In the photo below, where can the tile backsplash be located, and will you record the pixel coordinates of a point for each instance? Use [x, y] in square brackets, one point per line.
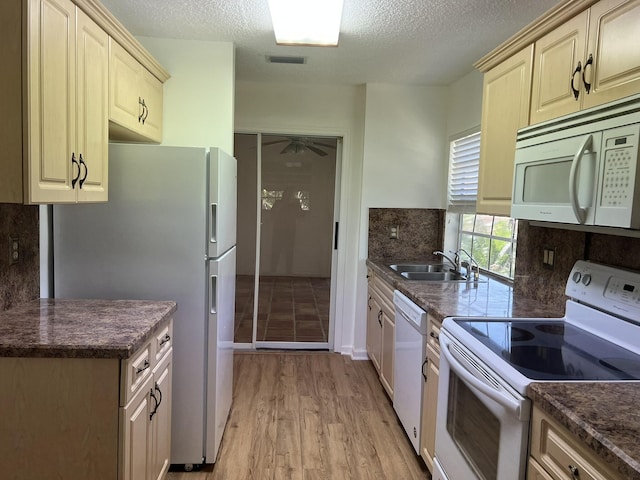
[420, 232]
[19, 282]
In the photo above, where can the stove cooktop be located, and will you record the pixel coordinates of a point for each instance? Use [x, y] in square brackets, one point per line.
[554, 350]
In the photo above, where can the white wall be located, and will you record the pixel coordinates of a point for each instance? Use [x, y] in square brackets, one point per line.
[328, 111]
[404, 146]
[199, 96]
[404, 164]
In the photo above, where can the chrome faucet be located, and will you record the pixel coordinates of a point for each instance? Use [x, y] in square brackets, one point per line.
[469, 265]
[455, 264]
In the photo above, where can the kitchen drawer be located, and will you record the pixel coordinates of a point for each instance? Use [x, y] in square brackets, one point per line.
[162, 341]
[135, 372]
[562, 455]
[385, 292]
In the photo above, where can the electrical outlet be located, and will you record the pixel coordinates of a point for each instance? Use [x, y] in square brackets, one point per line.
[14, 250]
[548, 257]
[394, 232]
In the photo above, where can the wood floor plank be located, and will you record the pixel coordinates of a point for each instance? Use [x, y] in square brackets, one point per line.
[310, 416]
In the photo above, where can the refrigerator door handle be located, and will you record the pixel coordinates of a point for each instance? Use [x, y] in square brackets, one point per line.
[213, 308]
[213, 221]
[335, 237]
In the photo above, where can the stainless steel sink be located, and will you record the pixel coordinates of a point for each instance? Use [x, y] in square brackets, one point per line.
[435, 276]
[418, 267]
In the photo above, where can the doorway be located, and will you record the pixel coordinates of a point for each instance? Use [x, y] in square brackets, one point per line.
[287, 211]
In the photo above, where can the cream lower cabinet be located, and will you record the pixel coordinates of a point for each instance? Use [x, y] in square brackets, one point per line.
[557, 455]
[146, 425]
[381, 329]
[374, 326]
[55, 105]
[431, 371]
[505, 109]
[589, 60]
[87, 418]
[136, 98]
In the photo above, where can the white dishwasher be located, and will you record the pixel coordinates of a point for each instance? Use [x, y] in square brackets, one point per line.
[409, 355]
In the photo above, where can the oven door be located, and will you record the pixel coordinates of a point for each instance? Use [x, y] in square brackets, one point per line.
[483, 424]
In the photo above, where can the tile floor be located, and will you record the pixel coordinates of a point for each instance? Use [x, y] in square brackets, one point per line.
[290, 309]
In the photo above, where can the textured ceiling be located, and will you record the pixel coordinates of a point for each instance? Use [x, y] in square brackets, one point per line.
[430, 42]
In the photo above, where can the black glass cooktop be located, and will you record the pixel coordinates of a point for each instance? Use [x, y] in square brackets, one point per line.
[553, 350]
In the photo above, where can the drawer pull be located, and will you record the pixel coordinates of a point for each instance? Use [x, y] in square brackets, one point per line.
[575, 473]
[165, 339]
[435, 336]
[144, 366]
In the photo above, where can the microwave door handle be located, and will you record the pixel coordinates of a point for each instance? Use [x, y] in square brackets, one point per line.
[578, 211]
[458, 366]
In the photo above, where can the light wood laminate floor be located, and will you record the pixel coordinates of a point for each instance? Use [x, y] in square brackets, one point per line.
[310, 416]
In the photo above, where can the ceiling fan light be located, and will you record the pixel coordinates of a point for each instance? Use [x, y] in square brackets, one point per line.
[306, 22]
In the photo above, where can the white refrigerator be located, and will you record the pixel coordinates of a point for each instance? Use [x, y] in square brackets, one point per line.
[168, 232]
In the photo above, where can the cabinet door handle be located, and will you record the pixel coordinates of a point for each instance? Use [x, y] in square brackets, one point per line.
[86, 172]
[157, 389]
[575, 473]
[578, 69]
[380, 317]
[73, 160]
[424, 364]
[145, 111]
[144, 366]
[435, 336]
[155, 403]
[369, 302]
[587, 85]
[142, 105]
[165, 339]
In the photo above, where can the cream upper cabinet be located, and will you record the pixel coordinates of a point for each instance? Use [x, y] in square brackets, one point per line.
[614, 28]
[505, 109]
[135, 107]
[93, 109]
[66, 141]
[589, 60]
[54, 128]
[557, 70]
[67, 135]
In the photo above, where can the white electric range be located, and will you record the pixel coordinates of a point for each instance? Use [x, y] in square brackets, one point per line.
[486, 365]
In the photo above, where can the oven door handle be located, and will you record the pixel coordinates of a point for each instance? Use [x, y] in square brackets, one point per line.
[463, 369]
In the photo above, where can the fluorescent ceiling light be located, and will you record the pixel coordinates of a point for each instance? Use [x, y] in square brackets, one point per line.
[306, 22]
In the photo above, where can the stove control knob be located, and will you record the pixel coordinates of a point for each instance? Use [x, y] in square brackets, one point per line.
[586, 280]
[576, 277]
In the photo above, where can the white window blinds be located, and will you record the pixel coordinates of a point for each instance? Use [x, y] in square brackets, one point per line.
[464, 156]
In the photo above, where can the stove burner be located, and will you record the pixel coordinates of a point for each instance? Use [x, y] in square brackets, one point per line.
[541, 359]
[624, 365]
[521, 335]
[553, 329]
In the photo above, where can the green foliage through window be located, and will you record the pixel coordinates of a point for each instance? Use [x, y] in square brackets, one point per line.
[491, 241]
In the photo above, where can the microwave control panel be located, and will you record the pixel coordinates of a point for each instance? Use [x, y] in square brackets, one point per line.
[619, 168]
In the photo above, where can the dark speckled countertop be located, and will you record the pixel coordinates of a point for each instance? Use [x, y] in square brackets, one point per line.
[604, 416]
[449, 299]
[80, 328]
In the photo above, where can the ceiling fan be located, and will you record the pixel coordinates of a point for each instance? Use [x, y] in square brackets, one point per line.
[301, 145]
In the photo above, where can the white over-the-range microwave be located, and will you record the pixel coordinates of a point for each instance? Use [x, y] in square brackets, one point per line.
[582, 168]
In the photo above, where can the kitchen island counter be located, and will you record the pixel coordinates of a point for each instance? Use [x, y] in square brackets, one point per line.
[604, 416]
[80, 328]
